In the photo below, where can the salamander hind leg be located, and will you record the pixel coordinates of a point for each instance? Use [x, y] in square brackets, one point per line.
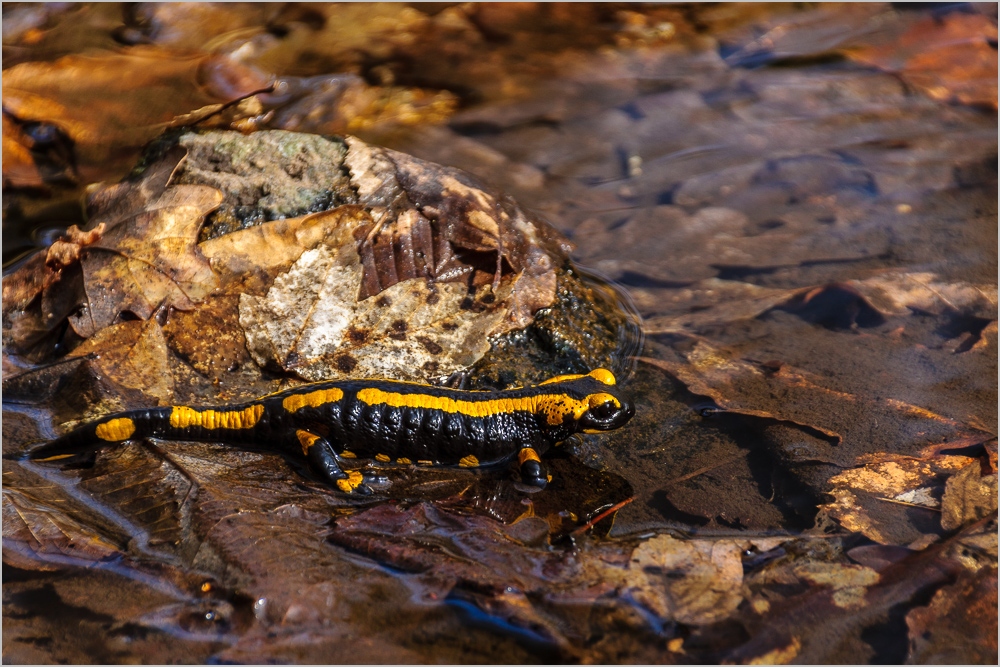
[533, 472]
[323, 460]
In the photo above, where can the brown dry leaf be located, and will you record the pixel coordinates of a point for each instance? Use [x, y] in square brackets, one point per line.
[209, 336]
[21, 286]
[440, 223]
[311, 322]
[110, 105]
[133, 355]
[969, 495]
[959, 625]
[247, 261]
[949, 58]
[878, 499]
[149, 260]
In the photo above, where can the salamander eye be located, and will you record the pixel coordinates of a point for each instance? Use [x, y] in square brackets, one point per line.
[604, 410]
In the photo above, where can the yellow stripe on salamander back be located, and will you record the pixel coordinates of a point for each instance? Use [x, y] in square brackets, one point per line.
[373, 396]
[185, 417]
[555, 407]
[313, 399]
[115, 430]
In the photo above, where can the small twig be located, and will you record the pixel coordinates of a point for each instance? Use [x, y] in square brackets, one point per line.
[590, 524]
[701, 471]
[903, 502]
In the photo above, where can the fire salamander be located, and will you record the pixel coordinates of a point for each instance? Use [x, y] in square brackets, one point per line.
[389, 421]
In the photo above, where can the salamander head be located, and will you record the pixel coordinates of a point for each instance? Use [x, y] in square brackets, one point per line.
[588, 403]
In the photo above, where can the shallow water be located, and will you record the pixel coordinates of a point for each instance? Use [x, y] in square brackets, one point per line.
[809, 239]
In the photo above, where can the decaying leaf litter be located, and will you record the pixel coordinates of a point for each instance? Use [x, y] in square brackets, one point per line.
[806, 244]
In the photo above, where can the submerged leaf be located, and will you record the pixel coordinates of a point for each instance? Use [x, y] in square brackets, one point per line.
[948, 58]
[696, 582]
[959, 625]
[969, 495]
[109, 104]
[44, 527]
[892, 501]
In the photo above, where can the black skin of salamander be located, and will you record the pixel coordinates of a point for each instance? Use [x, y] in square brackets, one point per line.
[414, 433]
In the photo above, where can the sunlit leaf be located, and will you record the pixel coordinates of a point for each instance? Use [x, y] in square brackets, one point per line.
[311, 321]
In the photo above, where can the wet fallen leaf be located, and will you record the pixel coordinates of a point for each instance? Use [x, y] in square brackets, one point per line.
[900, 293]
[710, 302]
[46, 528]
[75, 93]
[959, 624]
[794, 395]
[948, 58]
[849, 582]
[826, 631]
[19, 168]
[451, 551]
[969, 495]
[133, 355]
[717, 302]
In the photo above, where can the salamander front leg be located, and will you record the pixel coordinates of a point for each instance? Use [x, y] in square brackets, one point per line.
[533, 472]
[321, 457]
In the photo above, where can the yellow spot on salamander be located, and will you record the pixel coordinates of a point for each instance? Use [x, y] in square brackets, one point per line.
[382, 457]
[57, 457]
[424, 462]
[313, 399]
[353, 481]
[307, 440]
[115, 430]
[602, 375]
[404, 461]
[348, 455]
[527, 454]
[185, 417]
[469, 461]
